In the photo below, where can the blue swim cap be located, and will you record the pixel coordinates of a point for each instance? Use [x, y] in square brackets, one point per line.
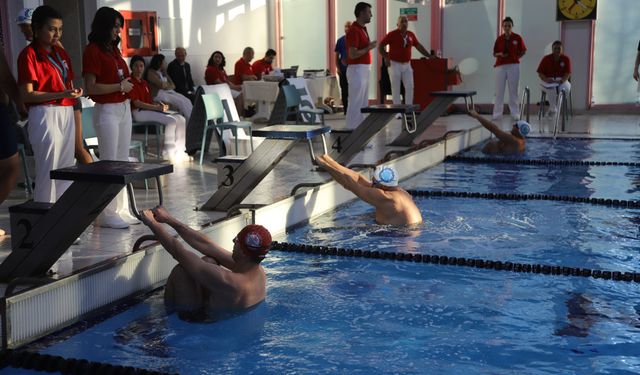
[524, 127]
[24, 16]
[386, 176]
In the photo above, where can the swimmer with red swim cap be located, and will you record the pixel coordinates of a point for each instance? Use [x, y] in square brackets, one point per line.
[219, 283]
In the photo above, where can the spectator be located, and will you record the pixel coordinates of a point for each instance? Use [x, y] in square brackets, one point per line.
[242, 71]
[341, 64]
[162, 87]
[180, 73]
[215, 74]
[144, 109]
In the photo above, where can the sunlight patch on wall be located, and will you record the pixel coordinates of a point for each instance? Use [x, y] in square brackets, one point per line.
[235, 12]
[219, 22]
[255, 4]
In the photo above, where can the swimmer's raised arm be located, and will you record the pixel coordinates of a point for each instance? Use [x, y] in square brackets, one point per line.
[194, 238]
[340, 173]
[493, 128]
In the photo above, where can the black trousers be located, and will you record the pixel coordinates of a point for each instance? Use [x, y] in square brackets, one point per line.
[344, 89]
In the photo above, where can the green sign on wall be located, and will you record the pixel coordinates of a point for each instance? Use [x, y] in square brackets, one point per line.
[411, 13]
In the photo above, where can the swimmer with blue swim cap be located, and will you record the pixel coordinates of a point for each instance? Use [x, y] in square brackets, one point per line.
[393, 204]
[221, 282]
[23, 20]
[512, 142]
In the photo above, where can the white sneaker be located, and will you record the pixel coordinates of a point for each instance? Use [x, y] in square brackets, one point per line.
[398, 116]
[515, 117]
[129, 219]
[111, 221]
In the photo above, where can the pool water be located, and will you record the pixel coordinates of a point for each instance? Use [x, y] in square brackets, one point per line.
[613, 150]
[327, 314]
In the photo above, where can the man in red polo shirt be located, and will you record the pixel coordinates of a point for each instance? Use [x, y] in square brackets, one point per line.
[264, 65]
[398, 59]
[358, 64]
[554, 71]
[242, 71]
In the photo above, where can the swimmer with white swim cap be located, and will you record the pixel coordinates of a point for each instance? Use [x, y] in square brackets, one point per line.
[23, 20]
[508, 142]
[393, 204]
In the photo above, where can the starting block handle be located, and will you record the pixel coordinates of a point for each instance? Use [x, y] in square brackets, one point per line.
[132, 197]
[406, 122]
[469, 103]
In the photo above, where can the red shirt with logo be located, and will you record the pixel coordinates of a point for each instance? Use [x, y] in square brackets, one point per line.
[358, 38]
[108, 67]
[140, 91]
[261, 68]
[514, 47]
[552, 68]
[213, 74]
[399, 45]
[47, 72]
[242, 68]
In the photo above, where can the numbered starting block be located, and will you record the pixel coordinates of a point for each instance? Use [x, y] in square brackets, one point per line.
[378, 117]
[238, 176]
[442, 101]
[42, 232]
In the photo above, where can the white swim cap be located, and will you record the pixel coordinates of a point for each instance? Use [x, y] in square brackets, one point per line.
[24, 16]
[386, 176]
[524, 127]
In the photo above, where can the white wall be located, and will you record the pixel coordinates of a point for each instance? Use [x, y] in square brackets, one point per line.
[536, 22]
[469, 31]
[304, 42]
[422, 27]
[209, 25]
[616, 45]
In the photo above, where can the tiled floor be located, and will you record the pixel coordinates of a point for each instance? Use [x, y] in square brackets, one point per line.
[191, 184]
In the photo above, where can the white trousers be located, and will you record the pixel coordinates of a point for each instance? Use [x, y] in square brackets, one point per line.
[112, 123]
[401, 73]
[358, 78]
[552, 95]
[52, 136]
[178, 101]
[174, 129]
[507, 74]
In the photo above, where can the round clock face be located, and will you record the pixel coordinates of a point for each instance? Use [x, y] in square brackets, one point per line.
[576, 9]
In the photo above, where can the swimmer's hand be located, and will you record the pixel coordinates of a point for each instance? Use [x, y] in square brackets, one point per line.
[473, 113]
[161, 214]
[147, 217]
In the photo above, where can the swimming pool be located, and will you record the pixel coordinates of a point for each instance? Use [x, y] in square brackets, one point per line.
[327, 314]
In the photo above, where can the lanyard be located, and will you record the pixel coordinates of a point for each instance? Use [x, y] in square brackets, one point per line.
[405, 40]
[62, 69]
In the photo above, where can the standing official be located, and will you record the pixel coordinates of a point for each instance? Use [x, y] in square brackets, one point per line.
[398, 59]
[45, 78]
[359, 48]
[508, 49]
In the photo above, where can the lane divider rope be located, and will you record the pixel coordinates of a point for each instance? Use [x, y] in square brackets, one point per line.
[540, 197]
[480, 159]
[49, 363]
[542, 269]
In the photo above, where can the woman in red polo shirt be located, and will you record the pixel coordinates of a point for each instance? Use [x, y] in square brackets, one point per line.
[508, 49]
[215, 75]
[45, 78]
[144, 109]
[106, 78]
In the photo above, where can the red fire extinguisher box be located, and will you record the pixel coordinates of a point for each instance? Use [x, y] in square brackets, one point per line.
[139, 33]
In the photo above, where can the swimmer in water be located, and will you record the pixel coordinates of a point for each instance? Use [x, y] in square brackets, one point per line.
[508, 142]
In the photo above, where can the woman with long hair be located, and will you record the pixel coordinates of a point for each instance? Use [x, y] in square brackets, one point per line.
[45, 79]
[215, 75]
[162, 87]
[107, 81]
[143, 108]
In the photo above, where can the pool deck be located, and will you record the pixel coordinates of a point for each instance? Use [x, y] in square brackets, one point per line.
[190, 184]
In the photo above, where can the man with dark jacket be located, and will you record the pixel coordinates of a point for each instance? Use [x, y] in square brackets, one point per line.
[180, 72]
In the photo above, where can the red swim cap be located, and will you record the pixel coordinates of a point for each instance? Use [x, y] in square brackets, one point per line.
[255, 240]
